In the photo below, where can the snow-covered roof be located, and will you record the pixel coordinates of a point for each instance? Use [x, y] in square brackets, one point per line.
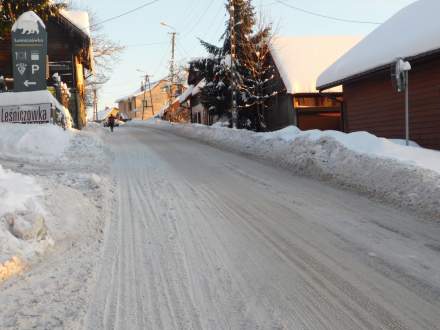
[28, 23]
[78, 18]
[301, 59]
[197, 89]
[104, 114]
[138, 92]
[186, 94]
[413, 31]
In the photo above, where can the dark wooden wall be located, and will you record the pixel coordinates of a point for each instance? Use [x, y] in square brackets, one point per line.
[5, 58]
[65, 45]
[373, 105]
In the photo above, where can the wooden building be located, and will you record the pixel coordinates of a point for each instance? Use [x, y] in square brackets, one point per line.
[298, 62]
[69, 55]
[146, 103]
[371, 102]
[180, 109]
[199, 113]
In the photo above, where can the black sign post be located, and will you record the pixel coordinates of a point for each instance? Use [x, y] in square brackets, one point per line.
[29, 53]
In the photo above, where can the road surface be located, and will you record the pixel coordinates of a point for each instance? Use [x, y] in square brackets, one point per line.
[205, 239]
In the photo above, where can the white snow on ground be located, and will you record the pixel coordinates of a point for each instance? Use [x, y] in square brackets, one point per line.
[37, 97]
[405, 176]
[33, 141]
[55, 193]
[368, 144]
[206, 239]
[22, 228]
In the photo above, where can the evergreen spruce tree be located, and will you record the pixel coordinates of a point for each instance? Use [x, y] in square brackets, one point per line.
[250, 73]
[258, 84]
[10, 10]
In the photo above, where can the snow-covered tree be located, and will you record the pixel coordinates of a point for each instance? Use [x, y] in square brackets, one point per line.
[10, 10]
[257, 83]
[240, 65]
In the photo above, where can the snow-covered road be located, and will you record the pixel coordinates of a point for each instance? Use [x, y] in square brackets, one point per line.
[206, 239]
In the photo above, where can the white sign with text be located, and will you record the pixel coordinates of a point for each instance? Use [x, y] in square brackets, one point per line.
[36, 113]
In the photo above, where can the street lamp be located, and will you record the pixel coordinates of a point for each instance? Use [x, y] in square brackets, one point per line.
[400, 72]
[168, 26]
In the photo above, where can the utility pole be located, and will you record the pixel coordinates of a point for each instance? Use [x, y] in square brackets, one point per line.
[147, 79]
[172, 73]
[407, 108]
[144, 104]
[233, 59]
[144, 86]
[95, 105]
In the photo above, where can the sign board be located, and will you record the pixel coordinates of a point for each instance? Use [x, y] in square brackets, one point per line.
[29, 53]
[26, 114]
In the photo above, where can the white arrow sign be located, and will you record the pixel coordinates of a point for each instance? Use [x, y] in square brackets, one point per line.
[28, 83]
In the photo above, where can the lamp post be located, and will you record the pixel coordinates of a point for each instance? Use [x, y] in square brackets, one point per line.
[401, 72]
[232, 26]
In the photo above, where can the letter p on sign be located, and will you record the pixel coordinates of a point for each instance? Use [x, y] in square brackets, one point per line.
[35, 68]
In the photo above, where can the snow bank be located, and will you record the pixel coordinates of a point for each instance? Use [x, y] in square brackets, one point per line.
[38, 97]
[386, 170]
[23, 232]
[36, 142]
[368, 144]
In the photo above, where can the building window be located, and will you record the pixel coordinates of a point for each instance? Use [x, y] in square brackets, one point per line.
[317, 101]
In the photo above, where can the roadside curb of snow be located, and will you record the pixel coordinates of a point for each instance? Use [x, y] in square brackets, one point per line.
[388, 180]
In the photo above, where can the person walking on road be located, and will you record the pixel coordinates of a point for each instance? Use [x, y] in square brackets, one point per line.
[111, 122]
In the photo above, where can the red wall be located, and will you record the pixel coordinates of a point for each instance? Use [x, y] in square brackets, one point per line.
[373, 105]
[322, 121]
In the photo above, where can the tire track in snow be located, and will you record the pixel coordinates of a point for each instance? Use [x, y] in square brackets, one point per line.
[195, 245]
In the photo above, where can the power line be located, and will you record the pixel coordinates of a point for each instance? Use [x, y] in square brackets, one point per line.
[198, 21]
[125, 13]
[326, 16]
[216, 14]
[147, 44]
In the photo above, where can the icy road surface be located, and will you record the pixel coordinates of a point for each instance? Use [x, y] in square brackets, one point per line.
[206, 239]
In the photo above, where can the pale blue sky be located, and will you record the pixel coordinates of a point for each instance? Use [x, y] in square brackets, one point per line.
[205, 19]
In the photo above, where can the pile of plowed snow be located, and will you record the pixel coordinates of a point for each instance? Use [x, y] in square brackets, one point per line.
[33, 142]
[23, 232]
[64, 162]
[382, 168]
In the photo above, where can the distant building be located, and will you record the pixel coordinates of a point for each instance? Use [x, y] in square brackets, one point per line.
[298, 62]
[107, 112]
[371, 101]
[144, 104]
[70, 55]
[180, 109]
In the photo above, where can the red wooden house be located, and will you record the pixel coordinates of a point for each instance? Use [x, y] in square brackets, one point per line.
[371, 102]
